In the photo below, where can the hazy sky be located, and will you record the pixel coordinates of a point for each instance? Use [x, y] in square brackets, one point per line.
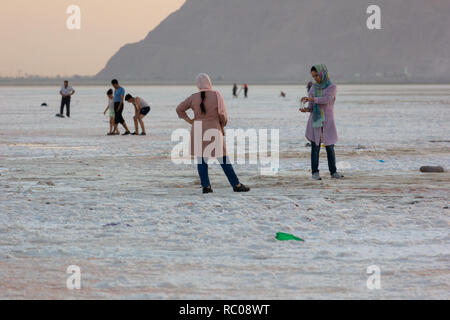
[36, 40]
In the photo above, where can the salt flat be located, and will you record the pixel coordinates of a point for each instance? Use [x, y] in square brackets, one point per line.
[139, 227]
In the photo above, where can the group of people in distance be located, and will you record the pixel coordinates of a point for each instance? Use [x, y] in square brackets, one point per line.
[236, 93]
[116, 99]
[115, 107]
[209, 108]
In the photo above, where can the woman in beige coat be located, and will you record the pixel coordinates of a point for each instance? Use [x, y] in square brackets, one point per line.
[207, 133]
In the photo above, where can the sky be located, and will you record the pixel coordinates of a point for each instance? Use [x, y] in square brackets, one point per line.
[36, 40]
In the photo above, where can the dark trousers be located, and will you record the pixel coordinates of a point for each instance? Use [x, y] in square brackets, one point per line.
[315, 151]
[227, 168]
[118, 118]
[65, 101]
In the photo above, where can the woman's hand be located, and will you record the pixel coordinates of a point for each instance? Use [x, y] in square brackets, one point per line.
[307, 99]
[304, 110]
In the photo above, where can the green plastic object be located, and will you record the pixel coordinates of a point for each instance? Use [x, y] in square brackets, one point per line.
[286, 237]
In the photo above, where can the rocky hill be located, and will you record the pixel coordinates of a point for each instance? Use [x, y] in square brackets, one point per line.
[268, 41]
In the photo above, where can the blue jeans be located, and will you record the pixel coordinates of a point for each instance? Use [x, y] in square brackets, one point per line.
[315, 151]
[226, 166]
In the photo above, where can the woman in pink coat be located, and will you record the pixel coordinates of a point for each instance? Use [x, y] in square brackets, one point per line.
[321, 127]
[207, 133]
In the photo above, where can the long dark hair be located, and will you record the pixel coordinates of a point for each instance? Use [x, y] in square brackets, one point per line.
[202, 104]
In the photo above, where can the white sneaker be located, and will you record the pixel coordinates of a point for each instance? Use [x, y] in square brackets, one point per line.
[316, 176]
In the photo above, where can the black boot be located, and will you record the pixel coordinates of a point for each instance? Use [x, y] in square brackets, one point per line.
[241, 188]
[208, 190]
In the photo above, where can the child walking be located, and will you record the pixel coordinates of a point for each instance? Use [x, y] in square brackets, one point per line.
[112, 115]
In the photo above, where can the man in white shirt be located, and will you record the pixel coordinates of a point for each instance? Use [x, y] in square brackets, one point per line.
[66, 92]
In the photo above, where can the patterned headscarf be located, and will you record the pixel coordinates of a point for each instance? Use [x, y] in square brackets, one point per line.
[318, 114]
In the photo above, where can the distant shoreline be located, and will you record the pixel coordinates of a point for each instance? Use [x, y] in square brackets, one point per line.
[95, 82]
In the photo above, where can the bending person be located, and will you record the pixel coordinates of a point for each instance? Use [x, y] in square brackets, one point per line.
[141, 108]
[210, 119]
[321, 127]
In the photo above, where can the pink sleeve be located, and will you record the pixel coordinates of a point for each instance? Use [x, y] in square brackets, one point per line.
[223, 115]
[311, 95]
[327, 98]
[183, 107]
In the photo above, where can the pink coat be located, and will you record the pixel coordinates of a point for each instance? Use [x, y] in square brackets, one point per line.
[326, 103]
[213, 119]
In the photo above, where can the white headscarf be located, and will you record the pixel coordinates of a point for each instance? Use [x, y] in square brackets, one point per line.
[204, 82]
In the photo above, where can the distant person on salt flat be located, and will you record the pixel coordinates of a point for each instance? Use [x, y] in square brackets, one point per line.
[235, 89]
[321, 127]
[110, 107]
[282, 94]
[141, 108]
[245, 90]
[210, 116]
[66, 93]
[119, 96]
